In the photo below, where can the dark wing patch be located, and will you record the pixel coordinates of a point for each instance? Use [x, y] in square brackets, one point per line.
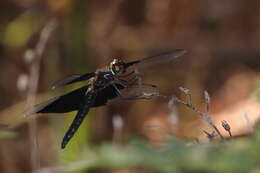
[106, 94]
[72, 79]
[61, 104]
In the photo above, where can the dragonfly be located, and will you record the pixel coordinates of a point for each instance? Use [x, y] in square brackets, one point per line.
[103, 85]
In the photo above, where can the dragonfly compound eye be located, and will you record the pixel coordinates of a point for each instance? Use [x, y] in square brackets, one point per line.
[117, 67]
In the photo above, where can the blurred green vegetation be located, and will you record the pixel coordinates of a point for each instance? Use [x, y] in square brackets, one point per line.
[20, 30]
[234, 155]
[256, 92]
[5, 134]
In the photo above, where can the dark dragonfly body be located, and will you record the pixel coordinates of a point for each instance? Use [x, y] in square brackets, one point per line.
[104, 84]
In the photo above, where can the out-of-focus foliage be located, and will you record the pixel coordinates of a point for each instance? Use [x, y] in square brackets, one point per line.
[257, 91]
[6, 133]
[234, 155]
[19, 31]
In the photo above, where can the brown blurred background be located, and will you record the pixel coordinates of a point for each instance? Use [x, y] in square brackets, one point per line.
[223, 43]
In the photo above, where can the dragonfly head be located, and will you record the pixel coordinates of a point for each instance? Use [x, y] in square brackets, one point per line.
[117, 67]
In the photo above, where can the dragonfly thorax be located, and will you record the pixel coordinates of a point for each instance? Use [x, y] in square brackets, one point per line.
[117, 67]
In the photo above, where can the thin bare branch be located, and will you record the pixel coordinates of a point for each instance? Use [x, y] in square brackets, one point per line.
[187, 92]
[35, 57]
[248, 124]
[210, 136]
[204, 116]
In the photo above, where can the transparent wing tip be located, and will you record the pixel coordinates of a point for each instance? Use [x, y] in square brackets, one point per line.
[57, 84]
[39, 107]
[180, 52]
[29, 112]
[66, 81]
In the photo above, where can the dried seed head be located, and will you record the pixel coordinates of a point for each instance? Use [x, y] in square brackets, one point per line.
[185, 90]
[225, 125]
[206, 97]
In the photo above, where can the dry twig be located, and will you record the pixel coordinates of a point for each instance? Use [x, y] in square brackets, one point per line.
[210, 136]
[35, 56]
[203, 115]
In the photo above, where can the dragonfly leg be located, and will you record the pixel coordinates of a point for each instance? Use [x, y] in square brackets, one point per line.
[133, 80]
[129, 74]
[113, 82]
[150, 85]
[122, 82]
[138, 78]
[127, 84]
[120, 94]
[142, 95]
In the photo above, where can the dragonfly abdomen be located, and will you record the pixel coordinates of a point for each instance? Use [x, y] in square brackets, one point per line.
[82, 112]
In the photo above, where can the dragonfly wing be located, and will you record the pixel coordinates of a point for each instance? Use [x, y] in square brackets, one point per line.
[71, 101]
[72, 79]
[106, 94]
[88, 102]
[165, 57]
[61, 104]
